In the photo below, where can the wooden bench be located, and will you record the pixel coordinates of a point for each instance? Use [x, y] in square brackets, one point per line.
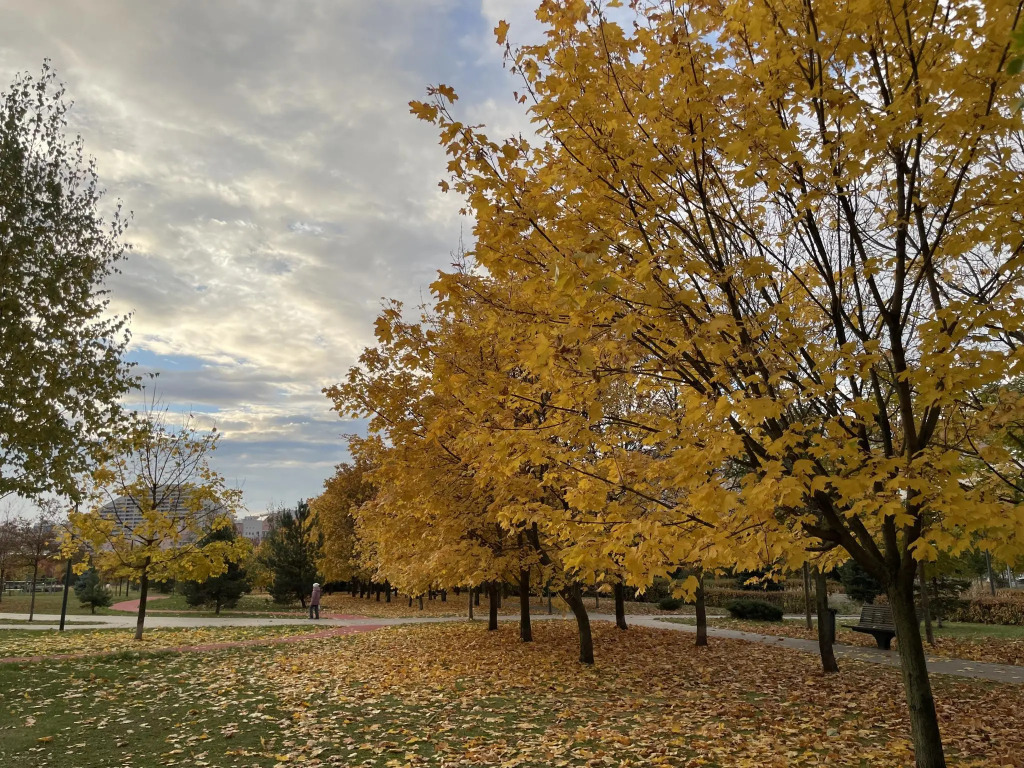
[876, 620]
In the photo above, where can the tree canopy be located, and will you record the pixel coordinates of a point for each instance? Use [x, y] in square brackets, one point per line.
[61, 369]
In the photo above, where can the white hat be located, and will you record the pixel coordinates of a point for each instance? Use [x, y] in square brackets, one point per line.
[316, 583]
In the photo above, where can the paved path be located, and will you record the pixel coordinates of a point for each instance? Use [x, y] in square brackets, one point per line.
[1003, 673]
[132, 606]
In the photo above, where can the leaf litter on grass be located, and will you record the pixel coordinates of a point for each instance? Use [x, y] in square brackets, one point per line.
[457, 695]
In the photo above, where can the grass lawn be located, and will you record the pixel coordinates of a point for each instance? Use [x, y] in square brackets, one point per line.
[457, 695]
[248, 605]
[28, 642]
[49, 603]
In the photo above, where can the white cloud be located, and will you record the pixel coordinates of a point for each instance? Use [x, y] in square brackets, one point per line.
[279, 186]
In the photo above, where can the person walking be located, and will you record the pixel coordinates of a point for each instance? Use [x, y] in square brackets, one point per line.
[314, 602]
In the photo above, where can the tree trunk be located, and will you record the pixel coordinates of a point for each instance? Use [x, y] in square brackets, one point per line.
[825, 626]
[421, 602]
[924, 723]
[217, 610]
[387, 586]
[929, 633]
[472, 590]
[476, 597]
[991, 578]
[444, 595]
[378, 590]
[140, 622]
[492, 600]
[701, 609]
[620, 605]
[32, 601]
[574, 597]
[807, 595]
[525, 630]
[597, 601]
[550, 609]
[410, 601]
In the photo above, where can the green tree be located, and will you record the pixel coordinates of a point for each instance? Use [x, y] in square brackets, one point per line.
[224, 590]
[91, 591]
[61, 369]
[858, 583]
[290, 556]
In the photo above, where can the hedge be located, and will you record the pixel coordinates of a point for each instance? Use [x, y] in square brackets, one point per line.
[790, 601]
[988, 610]
[754, 610]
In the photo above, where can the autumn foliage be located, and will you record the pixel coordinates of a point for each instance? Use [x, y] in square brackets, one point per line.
[750, 298]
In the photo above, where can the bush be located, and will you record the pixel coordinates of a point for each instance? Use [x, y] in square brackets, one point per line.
[756, 610]
[670, 604]
[789, 601]
[988, 610]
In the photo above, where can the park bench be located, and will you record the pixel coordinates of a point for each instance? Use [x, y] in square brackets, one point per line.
[876, 620]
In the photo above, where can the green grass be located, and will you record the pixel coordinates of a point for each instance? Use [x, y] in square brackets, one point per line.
[980, 631]
[251, 604]
[116, 711]
[49, 603]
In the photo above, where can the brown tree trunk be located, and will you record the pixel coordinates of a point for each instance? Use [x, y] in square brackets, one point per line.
[421, 602]
[926, 612]
[574, 597]
[471, 591]
[807, 595]
[701, 609]
[525, 630]
[410, 601]
[32, 600]
[924, 723]
[492, 600]
[620, 605]
[387, 586]
[825, 625]
[140, 622]
[476, 597]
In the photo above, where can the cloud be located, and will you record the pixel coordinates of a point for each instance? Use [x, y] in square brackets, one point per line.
[279, 188]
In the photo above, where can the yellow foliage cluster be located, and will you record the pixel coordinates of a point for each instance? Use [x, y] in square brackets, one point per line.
[752, 297]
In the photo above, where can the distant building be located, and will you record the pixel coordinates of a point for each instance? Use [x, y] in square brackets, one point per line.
[255, 529]
[127, 512]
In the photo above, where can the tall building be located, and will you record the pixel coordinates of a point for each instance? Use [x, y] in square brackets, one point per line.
[171, 499]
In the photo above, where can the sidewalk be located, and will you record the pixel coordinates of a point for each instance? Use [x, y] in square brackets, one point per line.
[1000, 673]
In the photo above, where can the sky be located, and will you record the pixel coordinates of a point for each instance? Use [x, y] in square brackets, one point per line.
[279, 188]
